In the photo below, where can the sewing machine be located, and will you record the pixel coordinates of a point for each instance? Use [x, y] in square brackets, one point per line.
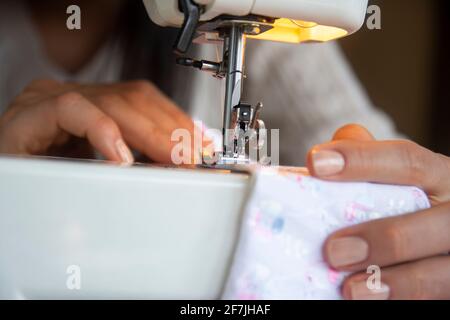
[153, 232]
[231, 22]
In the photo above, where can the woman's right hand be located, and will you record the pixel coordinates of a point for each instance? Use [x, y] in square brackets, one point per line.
[111, 117]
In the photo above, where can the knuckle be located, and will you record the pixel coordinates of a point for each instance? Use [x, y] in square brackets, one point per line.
[139, 89]
[395, 236]
[440, 180]
[157, 141]
[414, 158]
[24, 98]
[38, 83]
[418, 285]
[152, 133]
[358, 157]
[105, 125]
[109, 101]
[68, 99]
[142, 85]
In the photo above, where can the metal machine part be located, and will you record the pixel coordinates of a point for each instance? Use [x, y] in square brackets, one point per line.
[231, 22]
[240, 120]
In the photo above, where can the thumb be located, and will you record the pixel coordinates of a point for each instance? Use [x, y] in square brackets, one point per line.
[353, 132]
[390, 162]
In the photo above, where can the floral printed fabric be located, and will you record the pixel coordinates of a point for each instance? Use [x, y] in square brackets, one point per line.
[287, 219]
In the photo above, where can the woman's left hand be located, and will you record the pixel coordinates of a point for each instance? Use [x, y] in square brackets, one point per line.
[411, 250]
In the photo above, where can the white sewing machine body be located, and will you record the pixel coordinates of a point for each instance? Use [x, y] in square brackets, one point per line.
[347, 15]
[138, 232]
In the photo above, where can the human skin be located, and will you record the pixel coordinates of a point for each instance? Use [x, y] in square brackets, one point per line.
[411, 250]
[110, 117]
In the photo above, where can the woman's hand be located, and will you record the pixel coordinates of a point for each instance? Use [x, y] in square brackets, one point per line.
[411, 250]
[110, 117]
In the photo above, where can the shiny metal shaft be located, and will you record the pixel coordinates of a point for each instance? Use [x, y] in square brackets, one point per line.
[234, 53]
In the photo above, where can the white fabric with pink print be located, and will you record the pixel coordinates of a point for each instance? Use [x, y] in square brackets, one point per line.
[288, 217]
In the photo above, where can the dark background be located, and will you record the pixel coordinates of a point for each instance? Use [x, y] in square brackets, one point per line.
[405, 67]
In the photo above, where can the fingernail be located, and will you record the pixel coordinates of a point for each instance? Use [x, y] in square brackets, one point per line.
[124, 152]
[344, 252]
[361, 291]
[327, 162]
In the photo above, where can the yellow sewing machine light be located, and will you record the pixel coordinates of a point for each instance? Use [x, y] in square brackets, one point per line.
[294, 31]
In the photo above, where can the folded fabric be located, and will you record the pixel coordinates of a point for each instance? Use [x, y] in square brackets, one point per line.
[285, 223]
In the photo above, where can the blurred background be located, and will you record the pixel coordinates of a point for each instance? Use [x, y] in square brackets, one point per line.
[405, 67]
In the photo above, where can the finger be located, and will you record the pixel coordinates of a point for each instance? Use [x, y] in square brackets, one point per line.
[147, 137]
[78, 116]
[150, 129]
[353, 132]
[425, 280]
[35, 92]
[149, 120]
[35, 129]
[390, 241]
[391, 162]
[43, 85]
[164, 103]
[177, 147]
[143, 96]
[141, 132]
[112, 102]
